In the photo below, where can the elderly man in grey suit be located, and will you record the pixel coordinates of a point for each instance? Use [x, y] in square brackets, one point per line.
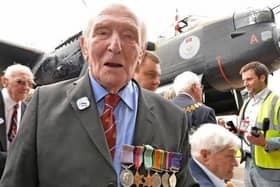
[17, 82]
[63, 143]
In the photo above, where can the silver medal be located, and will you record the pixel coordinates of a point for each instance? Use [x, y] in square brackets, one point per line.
[165, 179]
[156, 180]
[172, 180]
[126, 178]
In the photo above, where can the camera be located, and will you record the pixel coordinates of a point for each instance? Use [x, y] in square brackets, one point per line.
[255, 131]
[231, 127]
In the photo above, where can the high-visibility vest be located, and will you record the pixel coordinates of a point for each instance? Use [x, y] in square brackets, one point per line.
[268, 109]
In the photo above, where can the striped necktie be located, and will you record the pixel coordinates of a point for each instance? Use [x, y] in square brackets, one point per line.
[108, 120]
[13, 125]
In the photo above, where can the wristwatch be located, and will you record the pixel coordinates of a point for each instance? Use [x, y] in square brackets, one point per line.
[266, 147]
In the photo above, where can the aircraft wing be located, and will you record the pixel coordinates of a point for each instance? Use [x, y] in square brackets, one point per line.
[11, 53]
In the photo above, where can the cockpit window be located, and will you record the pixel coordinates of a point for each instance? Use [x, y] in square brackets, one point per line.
[244, 19]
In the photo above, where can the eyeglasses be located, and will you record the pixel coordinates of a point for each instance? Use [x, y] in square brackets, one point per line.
[201, 86]
[23, 83]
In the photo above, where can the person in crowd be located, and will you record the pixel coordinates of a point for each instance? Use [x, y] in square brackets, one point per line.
[148, 72]
[213, 150]
[168, 94]
[85, 131]
[17, 81]
[260, 113]
[222, 122]
[189, 91]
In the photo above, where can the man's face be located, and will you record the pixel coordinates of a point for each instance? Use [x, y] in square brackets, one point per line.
[252, 82]
[197, 92]
[113, 48]
[18, 85]
[222, 163]
[149, 75]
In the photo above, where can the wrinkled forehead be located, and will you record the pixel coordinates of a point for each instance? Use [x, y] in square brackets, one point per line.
[22, 75]
[118, 14]
[119, 11]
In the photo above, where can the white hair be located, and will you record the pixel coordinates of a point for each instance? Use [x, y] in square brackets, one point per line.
[140, 22]
[15, 68]
[214, 138]
[184, 81]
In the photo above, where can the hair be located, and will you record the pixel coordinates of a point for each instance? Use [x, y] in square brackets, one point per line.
[11, 70]
[184, 81]
[258, 67]
[140, 23]
[148, 55]
[152, 56]
[212, 137]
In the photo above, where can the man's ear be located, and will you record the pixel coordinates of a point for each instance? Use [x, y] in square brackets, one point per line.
[204, 154]
[141, 57]
[262, 78]
[83, 46]
[193, 88]
[4, 81]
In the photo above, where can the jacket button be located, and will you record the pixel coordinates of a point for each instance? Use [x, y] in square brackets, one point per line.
[111, 185]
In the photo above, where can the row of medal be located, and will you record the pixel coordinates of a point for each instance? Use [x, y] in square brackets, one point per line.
[160, 165]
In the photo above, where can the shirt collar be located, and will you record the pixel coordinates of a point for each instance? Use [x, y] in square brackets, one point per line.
[216, 180]
[187, 94]
[262, 94]
[125, 94]
[9, 102]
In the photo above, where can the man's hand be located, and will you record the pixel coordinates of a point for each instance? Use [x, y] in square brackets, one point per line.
[260, 141]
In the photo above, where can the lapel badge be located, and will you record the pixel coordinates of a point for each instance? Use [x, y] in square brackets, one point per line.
[1, 120]
[83, 103]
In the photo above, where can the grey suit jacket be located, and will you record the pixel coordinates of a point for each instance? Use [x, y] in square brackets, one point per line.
[62, 146]
[199, 174]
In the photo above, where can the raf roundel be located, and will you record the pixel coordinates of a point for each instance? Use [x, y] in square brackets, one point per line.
[189, 47]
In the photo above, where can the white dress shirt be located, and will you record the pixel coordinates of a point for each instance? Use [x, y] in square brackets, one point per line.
[9, 104]
[252, 110]
[216, 180]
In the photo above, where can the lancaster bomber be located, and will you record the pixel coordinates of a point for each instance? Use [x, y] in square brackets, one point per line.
[218, 49]
[215, 50]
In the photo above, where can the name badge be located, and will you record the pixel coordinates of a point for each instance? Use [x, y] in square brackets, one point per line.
[244, 125]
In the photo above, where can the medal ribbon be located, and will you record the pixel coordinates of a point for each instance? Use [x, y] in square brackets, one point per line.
[158, 159]
[148, 157]
[166, 160]
[138, 159]
[176, 161]
[127, 154]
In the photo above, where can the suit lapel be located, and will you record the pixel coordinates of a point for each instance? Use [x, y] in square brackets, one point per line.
[3, 140]
[89, 116]
[23, 107]
[144, 129]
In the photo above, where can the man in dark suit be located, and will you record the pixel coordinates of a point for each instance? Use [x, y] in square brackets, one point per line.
[188, 91]
[17, 81]
[213, 150]
[62, 142]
